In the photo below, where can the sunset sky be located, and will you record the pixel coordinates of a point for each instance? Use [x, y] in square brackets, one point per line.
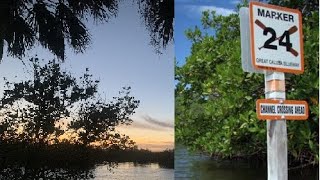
[120, 55]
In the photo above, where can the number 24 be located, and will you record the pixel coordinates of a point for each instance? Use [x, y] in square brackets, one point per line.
[268, 44]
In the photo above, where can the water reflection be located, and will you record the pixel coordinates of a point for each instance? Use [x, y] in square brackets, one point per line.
[133, 171]
[45, 173]
[26, 173]
[197, 166]
[115, 171]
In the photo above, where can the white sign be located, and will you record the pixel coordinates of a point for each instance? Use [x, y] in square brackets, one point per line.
[276, 38]
[277, 109]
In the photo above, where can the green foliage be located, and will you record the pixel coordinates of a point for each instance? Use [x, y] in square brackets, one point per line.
[215, 99]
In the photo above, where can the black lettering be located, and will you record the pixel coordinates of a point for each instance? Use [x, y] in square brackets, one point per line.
[285, 17]
[268, 109]
[290, 18]
[283, 109]
[268, 44]
[273, 14]
[299, 110]
[287, 44]
[279, 16]
[260, 12]
[268, 14]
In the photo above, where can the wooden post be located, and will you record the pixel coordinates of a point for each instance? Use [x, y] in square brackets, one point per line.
[276, 130]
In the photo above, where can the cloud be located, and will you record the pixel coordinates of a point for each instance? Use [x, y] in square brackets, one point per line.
[193, 10]
[149, 123]
[139, 125]
[146, 122]
[157, 122]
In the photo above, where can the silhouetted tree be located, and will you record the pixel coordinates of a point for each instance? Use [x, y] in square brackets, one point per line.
[34, 106]
[55, 23]
[158, 16]
[96, 121]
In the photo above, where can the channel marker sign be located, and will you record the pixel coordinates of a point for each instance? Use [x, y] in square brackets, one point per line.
[276, 38]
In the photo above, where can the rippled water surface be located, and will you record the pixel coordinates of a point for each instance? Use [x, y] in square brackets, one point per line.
[131, 171]
[197, 166]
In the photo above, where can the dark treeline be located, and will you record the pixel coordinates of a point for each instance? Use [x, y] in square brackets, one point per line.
[57, 126]
[66, 155]
[165, 158]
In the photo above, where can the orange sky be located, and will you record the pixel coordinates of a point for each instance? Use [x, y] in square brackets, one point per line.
[154, 135]
[147, 132]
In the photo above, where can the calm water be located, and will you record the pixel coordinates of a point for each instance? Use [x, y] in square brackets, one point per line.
[131, 171]
[197, 166]
[112, 171]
